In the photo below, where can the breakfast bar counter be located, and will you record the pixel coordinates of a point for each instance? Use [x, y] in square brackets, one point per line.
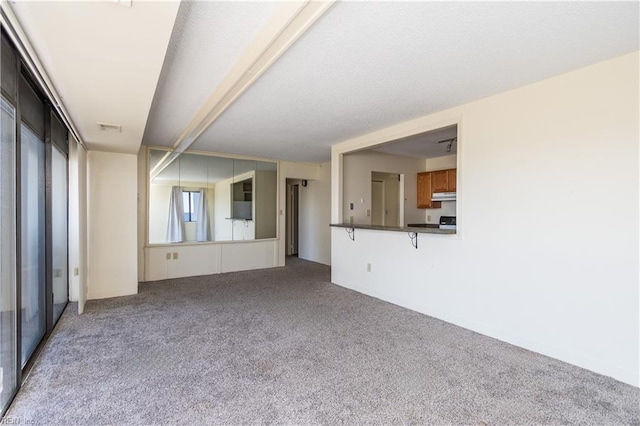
[418, 229]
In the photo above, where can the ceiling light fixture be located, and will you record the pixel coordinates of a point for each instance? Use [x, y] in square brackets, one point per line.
[450, 142]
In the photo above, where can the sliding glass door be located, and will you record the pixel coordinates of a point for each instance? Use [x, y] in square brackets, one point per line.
[33, 220]
[8, 325]
[33, 241]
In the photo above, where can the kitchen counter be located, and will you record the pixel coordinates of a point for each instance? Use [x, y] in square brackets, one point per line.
[419, 229]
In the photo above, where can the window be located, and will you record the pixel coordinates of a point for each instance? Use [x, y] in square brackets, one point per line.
[190, 201]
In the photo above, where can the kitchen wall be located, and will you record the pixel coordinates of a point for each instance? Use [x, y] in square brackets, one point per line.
[532, 264]
[357, 189]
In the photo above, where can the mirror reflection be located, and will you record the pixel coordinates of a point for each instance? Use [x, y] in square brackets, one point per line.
[200, 198]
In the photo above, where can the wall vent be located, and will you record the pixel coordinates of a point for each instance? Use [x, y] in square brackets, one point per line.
[105, 127]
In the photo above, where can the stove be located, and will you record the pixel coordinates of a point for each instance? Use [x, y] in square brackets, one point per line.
[448, 222]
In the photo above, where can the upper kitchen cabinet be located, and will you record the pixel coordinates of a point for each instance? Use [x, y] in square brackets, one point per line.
[444, 180]
[452, 177]
[425, 189]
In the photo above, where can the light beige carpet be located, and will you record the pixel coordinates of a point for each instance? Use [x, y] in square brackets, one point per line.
[286, 346]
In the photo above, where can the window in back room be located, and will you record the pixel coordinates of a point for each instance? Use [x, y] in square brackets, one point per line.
[190, 200]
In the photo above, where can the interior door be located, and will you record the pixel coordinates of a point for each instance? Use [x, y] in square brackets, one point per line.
[377, 202]
[294, 218]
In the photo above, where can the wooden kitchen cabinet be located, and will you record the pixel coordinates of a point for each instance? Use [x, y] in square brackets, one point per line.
[444, 180]
[425, 190]
[452, 178]
[440, 181]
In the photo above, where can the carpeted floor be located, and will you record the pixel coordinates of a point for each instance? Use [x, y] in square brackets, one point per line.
[285, 346]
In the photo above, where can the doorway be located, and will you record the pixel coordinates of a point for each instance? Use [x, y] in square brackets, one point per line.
[377, 203]
[293, 216]
[387, 196]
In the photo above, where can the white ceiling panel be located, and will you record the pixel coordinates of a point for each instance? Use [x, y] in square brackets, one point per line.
[103, 59]
[208, 38]
[369, 65]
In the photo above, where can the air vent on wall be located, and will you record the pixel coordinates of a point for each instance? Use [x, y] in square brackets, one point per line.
[125, 3]
[105, 127]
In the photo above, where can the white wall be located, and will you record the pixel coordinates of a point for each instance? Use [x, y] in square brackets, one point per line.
[357, 172]
[206, 259]
[77, 224]
[74, 220]
[159, 196]
[314, 234]
[534, 263]
[112, 224]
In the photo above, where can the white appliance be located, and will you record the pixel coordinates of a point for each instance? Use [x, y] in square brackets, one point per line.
[443, 196]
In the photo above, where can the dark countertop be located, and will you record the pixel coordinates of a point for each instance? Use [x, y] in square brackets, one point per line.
[420, 230]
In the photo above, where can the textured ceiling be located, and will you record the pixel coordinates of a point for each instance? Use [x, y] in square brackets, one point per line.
[103, 59]
[368, 65]
[424, 145]
[361, 67]
[207, 39]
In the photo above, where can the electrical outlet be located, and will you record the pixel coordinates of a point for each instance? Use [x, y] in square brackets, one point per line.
[429, 218]
[175, 255]
[368, 267]
[368, 212]
[76, 271]
[350, 206]
[168, 256]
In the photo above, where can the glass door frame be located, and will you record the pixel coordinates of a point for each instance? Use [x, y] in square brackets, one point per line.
[21, 70]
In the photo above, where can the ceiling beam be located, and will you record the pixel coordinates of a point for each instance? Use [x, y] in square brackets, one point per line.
[289, 23]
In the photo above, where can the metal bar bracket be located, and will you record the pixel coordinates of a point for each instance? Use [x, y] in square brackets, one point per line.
[414, 239]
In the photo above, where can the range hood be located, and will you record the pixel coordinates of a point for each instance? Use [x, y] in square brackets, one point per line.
[443, 196]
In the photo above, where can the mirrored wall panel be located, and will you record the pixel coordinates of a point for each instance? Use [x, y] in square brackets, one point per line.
[200, 198]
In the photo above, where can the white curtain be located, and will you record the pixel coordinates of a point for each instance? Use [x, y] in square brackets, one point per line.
[175, 225]
[203, 231]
